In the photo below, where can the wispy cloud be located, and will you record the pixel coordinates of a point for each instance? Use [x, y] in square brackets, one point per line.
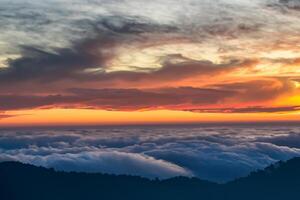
[204, 52]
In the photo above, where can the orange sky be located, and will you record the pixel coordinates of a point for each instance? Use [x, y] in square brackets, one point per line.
[139, 67]
[61, 117]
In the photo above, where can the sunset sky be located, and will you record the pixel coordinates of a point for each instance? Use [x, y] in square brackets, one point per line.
[66, 62]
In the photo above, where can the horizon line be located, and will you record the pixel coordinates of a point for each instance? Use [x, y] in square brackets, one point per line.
[163, 124]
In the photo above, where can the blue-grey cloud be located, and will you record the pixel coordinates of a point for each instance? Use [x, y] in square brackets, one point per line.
[58, 24]
[286, 5]
[290, 139]
[213, 153]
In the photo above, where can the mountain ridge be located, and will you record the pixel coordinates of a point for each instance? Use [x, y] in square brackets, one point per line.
[25, 181]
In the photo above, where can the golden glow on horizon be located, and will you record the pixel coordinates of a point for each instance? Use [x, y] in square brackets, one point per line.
[292, 100]
[101, 117]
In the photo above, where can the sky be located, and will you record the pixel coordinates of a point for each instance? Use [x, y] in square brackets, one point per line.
[65, 62]
[215, 153]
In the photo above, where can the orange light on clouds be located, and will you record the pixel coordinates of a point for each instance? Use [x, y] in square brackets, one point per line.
[59, 117]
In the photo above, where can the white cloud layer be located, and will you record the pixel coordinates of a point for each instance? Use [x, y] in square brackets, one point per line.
[213, 153]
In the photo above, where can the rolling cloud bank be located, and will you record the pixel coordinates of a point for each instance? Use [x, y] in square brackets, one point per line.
[213, 153]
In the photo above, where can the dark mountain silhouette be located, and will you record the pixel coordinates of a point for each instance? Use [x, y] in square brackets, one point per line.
[27, 182]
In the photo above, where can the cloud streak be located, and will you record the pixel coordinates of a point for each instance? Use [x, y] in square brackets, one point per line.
[182, 98]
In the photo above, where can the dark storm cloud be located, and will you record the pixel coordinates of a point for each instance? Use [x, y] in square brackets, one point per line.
[213, 153]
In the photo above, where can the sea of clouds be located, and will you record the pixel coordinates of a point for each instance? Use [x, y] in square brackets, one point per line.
[216, 153]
